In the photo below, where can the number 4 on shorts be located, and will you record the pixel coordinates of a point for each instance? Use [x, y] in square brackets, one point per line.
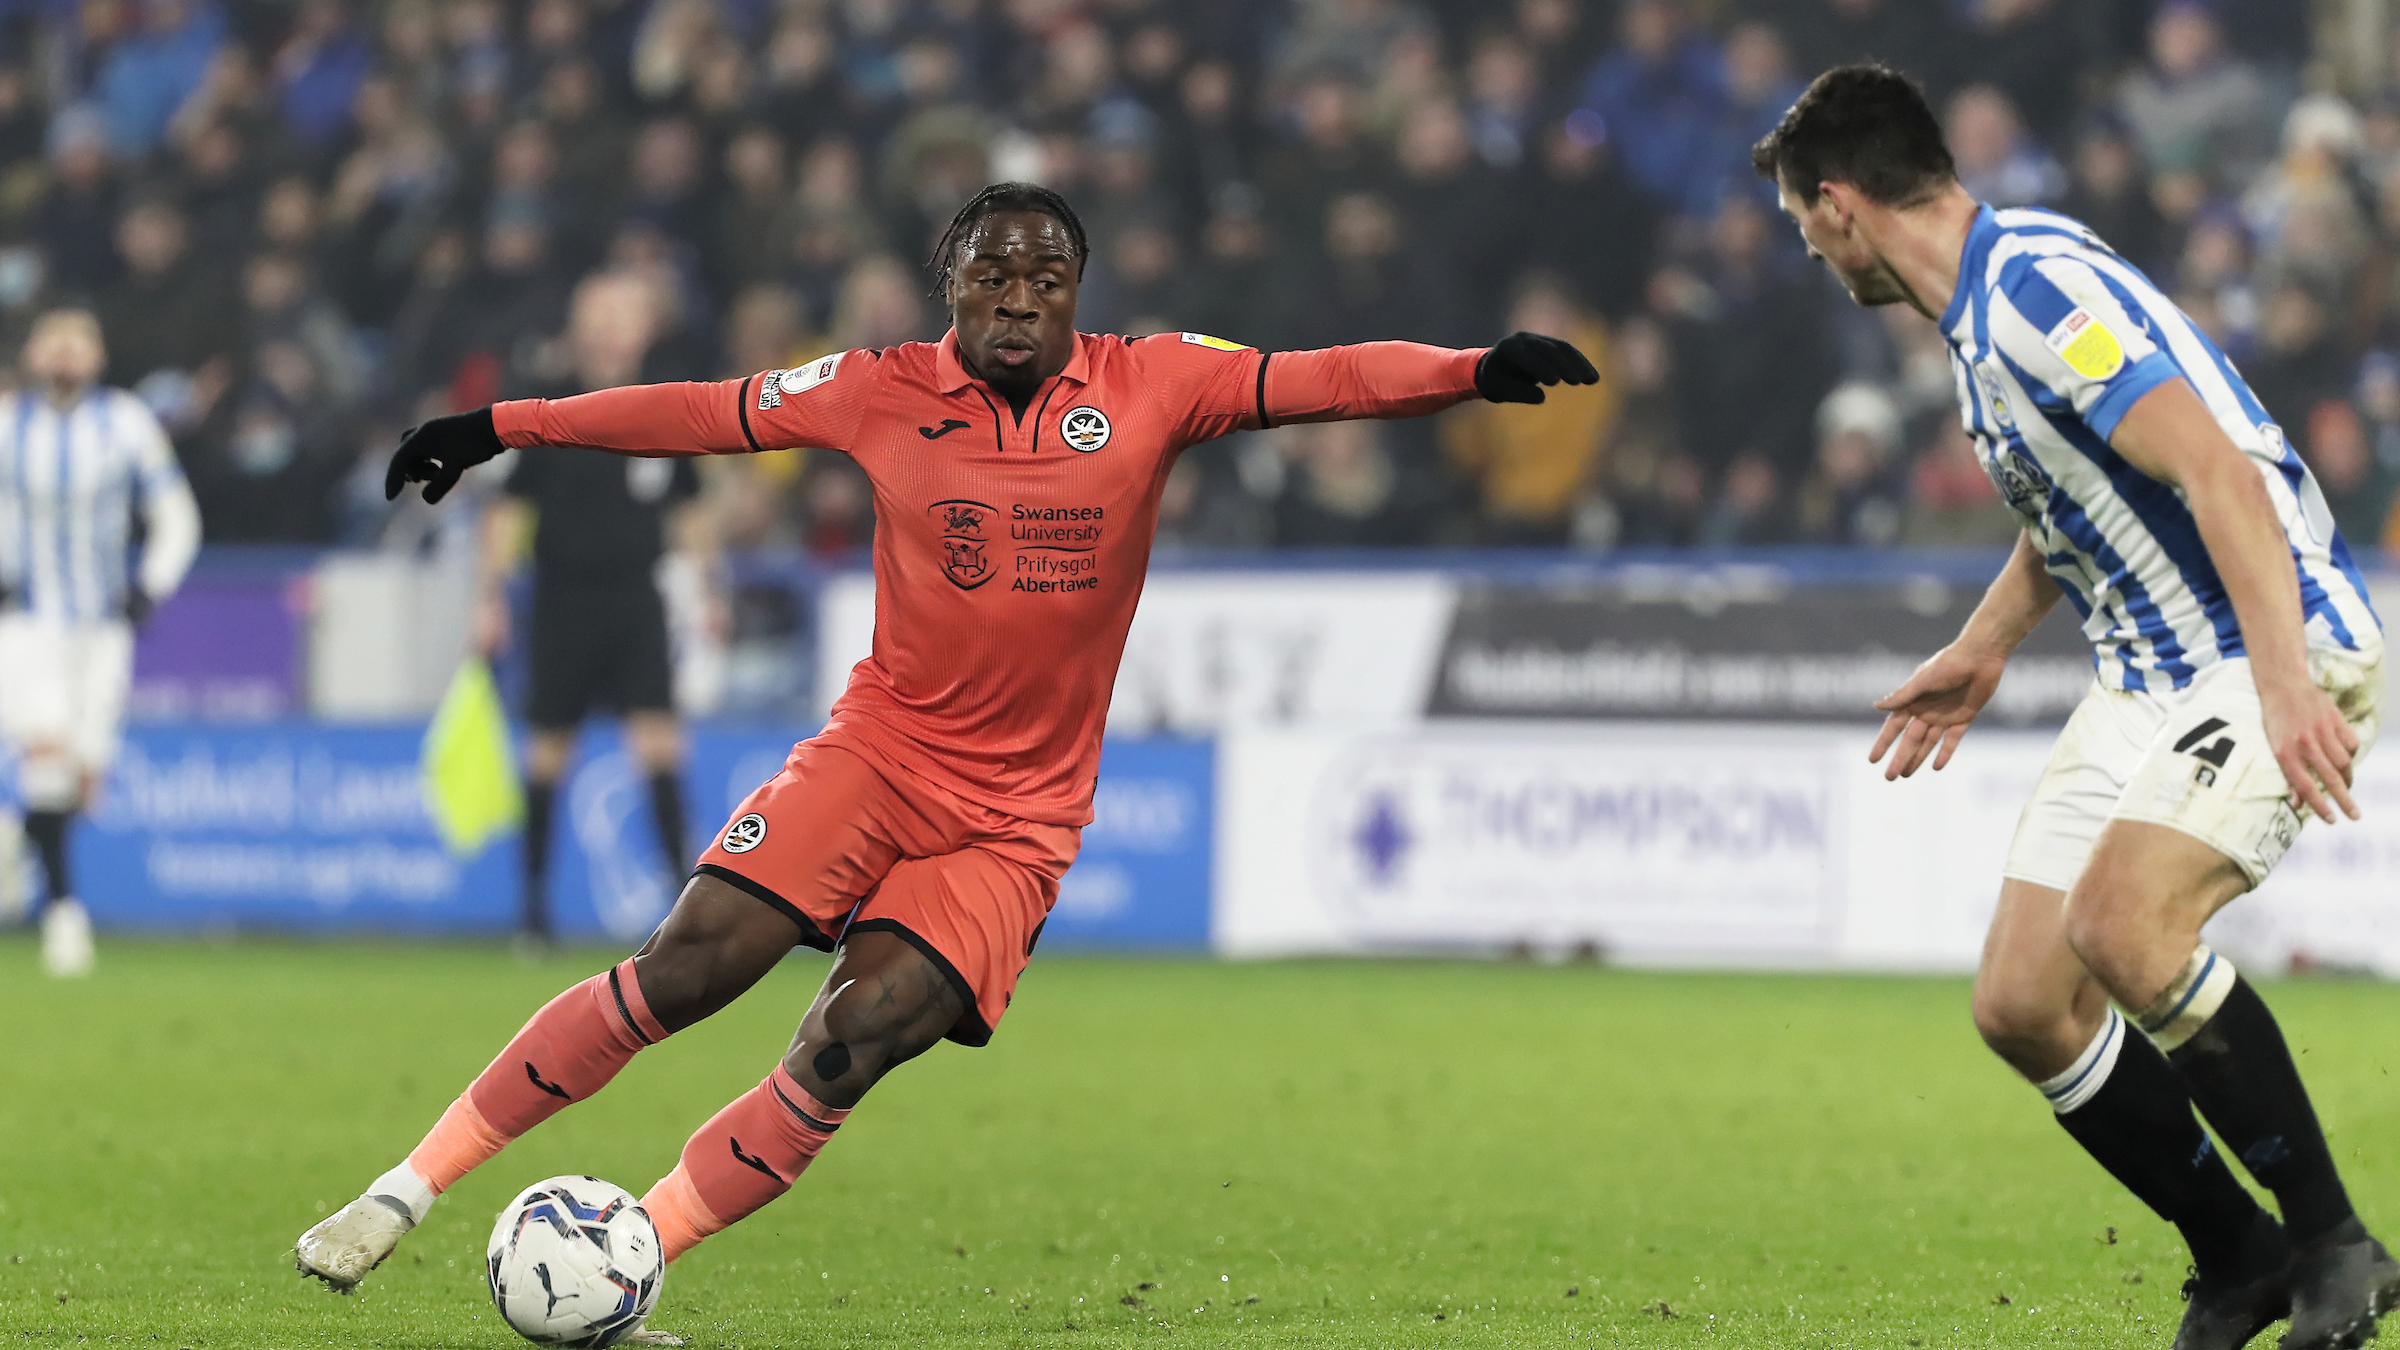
[2216, 754]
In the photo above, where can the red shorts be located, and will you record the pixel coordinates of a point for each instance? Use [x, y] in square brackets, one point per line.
[842, 843]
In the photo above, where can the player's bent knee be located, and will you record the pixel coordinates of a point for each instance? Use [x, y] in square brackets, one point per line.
[675, 982]
[2030, 1013]
[2015, 1021]
[2102, 938]
[873, 1024]
[715, 945]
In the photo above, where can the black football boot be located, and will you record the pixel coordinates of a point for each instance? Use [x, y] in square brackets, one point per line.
[2227, 1317]
[2341, 1284]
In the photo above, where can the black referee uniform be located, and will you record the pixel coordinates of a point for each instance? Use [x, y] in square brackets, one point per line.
[599, 625]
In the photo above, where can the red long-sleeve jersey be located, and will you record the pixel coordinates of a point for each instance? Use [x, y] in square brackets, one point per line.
[1009, 550]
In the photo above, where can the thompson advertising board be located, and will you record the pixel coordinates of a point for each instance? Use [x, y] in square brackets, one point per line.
[1698, 844]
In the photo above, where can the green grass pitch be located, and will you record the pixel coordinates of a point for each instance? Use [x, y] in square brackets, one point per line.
[1153, 1153]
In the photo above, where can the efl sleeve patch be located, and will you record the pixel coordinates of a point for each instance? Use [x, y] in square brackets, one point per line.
[2087, 345]
[773, 385]
[1213, 343]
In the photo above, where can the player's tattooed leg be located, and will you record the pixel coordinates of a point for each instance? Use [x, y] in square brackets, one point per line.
[883, 1003]
[831, 1062]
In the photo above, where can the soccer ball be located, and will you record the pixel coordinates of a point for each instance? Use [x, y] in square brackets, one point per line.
[574, 1261]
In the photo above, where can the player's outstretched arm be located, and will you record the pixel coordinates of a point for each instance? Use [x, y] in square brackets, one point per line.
[1929, 715]
[1410, 379]
[818, 404]
[2170, 435]
[654, 420]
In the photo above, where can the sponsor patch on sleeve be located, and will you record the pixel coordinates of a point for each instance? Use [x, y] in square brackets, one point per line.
[1214, 343]
[2087, 346]
[773, 385]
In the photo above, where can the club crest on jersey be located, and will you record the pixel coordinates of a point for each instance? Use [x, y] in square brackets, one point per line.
[773, 385]
[745, 834]
[1085, 428]
[2086, 345]
[966, 549]
[1995, 396]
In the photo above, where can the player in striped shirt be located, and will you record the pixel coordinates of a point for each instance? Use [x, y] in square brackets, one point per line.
[2240, 674]
[77, 463]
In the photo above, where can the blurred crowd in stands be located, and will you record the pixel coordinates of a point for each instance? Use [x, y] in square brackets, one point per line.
[308, 223]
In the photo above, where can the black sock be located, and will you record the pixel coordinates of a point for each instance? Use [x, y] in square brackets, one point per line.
[2241, 1074]
[539, 798]
[2140, 1126]
[666, 808]
[48, 831]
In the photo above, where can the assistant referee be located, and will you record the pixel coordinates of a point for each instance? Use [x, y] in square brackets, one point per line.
[601, 526]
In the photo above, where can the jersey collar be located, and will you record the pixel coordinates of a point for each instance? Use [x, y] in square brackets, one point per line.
[1980, 237]
[953, 375]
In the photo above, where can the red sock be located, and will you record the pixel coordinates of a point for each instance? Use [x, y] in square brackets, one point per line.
[569, 1051]
[745, 1156]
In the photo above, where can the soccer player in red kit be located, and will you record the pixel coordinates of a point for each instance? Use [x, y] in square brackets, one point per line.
[1017, 467]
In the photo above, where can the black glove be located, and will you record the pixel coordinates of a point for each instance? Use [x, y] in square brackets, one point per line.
[1516, 368]
[435, 453]
[138, 605]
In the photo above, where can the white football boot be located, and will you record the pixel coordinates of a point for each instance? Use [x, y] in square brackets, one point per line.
[342, 1249]
[356, 1239]
[644, 1336]
[66, 940]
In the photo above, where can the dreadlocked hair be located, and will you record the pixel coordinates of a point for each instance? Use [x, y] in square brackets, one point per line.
[1003, 199]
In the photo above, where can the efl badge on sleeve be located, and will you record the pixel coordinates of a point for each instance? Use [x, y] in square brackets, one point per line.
[1213, 343]
[2086, 345]
[773, 385]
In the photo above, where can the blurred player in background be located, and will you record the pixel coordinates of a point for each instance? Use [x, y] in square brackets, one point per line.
[601, 528]
[78, 463]
[2240, 677]
[1017, 467]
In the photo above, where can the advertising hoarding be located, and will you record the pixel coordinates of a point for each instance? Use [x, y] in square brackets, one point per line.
[1698, 844]
[312, 828]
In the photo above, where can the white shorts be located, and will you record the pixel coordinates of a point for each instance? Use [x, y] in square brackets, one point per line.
[64, 684]
[2193, 759]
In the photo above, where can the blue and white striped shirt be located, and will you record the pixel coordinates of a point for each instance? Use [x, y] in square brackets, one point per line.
[70, 483]
[2053, 337]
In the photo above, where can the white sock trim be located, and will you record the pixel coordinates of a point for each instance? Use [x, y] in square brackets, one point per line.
[404, 1185]
[2189, 1000]
[2083, 1078]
